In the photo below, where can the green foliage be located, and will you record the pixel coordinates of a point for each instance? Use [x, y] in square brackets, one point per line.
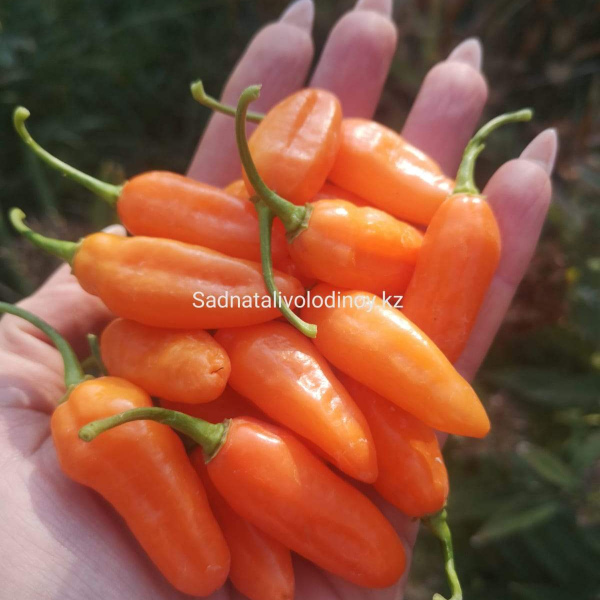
[107, 86]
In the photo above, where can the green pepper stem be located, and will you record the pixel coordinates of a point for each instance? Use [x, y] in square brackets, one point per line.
[293, 217]
[265, 224]
[96, 353]
[200, 96]
[63, 249]
[465, 182]
[438, 524]
[73, 370]
[108, 192]
[208, 435]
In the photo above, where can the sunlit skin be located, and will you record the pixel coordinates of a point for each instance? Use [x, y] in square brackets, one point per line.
[178, 365]
[290, 494]
[295, 145]
[382, 349]
[280, 370]
[82, 551]
[163, 503]
[388, 172]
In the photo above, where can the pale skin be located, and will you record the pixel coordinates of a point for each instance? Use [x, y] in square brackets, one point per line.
[60, 540]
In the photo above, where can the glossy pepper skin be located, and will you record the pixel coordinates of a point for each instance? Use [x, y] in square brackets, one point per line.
[279, 370]
[261, 567]
[295, 145]
[330, 191]
[356, 247]
[382, 349]
[156, 282]
[179, 365]
[412, 475]
[285, 491]
[377, 164]
[142, 469]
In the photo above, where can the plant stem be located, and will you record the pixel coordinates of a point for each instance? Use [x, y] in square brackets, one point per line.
[203, 98]
[96, 354]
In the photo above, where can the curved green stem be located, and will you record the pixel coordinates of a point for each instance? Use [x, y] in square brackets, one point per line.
[73, 370]
[60, 248]
[104, 190]
[465, 183]
[265, 224]
[96, 354]
[438, 524]
[203, 98]
[293, 217]
[208, 435]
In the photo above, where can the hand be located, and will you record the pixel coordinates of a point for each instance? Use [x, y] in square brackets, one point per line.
[60, 540]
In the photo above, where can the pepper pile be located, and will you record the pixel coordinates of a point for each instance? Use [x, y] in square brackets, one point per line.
[275, 417]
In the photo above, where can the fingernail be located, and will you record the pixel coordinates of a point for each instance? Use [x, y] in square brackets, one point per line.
[543, 149]
[468, 52]
[300, 13]
[115, 230]
[383, 7]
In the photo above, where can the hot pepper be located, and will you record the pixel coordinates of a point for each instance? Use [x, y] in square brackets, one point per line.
[373, 342]
[178, 365]
[334, 240]
[460, 253]
[380, 166]
[261, 567]
[165, 283]
[296, 143]
[168, 205]
[142, 470]
[270, 479]
[280, 371]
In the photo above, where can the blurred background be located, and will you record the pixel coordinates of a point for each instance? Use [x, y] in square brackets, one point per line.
[107, 85]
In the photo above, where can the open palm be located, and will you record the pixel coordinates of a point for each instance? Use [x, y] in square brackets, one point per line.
[60, 540]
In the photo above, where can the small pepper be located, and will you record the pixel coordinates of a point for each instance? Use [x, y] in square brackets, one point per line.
[142, 470]
[270, 479]
[460, 253]
[178, 365]
[261, 567]
[334, 240]
[168, 205]
[165, 283]
[280, 371]
[380, 166]
[373, 342]
[296, 143]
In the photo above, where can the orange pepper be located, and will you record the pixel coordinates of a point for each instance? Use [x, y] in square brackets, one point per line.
[142, 470]
[280, 371]
[295, 145]
[156, 282]
[412, 475]
[271, 480]
[330, 191]
[459, 257]
[380, 166]
[373, 342]
[179, 365]
[261, 567]
[334, 240]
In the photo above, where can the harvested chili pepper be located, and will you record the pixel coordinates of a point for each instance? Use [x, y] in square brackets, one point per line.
[142, 470]
[168, 205]
[412, 475]
[165, 283]
[280, 371]
[270, 479]
[380, 166]
[178, 365]
[261, 567]
[460, 253]
[373, 342]
[296, 143]
[334, 240]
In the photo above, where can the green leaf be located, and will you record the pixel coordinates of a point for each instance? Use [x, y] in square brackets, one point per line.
[514, 522]
[587, 452]
[548, 466]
